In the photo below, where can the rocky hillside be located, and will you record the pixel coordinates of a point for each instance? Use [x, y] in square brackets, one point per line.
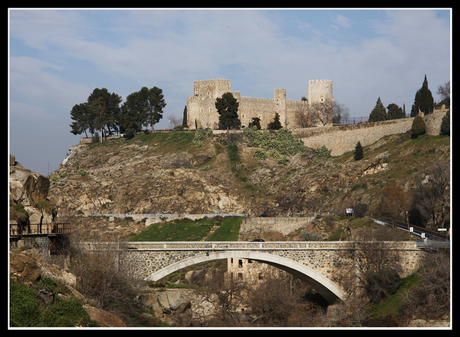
[166, 173]
[29, 201]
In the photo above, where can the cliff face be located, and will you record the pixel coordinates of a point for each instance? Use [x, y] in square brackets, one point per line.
[29, 192]
[165, 173]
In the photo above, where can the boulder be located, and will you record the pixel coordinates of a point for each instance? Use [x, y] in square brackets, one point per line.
[24, 266]
[104, 318]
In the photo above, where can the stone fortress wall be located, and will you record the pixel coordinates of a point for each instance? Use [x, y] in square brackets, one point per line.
[201, 110]
[343, 138]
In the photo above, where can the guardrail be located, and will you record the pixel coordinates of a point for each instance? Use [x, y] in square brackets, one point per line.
[17, 231]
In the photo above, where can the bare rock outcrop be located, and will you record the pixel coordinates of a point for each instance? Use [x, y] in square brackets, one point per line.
[29, 190]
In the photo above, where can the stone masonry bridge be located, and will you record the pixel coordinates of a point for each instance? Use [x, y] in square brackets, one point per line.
[320, 264]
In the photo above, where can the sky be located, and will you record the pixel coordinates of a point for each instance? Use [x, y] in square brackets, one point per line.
[57, 57]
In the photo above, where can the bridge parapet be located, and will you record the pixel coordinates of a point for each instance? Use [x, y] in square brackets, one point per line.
[232, 245]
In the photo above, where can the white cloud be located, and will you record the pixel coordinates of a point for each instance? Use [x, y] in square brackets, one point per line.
[342, 21]
[31, 83]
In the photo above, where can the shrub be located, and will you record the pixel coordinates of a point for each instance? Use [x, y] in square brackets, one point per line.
[382, 283]
[360, 210]
[282, 160]
[82, 172]
[358, 151]
[201, 134]
[96, 138]
[418, 127]
[322, 152]
[260, 154]
[445, 124]
[283, 141]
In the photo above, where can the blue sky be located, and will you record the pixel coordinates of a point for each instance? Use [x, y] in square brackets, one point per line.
[57, 57]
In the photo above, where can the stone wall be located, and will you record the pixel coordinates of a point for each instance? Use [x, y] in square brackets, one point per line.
[343, 138]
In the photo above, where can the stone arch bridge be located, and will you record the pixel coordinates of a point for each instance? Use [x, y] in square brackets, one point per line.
[320, 264]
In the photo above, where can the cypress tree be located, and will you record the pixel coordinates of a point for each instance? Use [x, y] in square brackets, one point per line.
[445, 124]
[359, 154]
[423, 100]
[379, 112]
[184, 118]
[276, 124]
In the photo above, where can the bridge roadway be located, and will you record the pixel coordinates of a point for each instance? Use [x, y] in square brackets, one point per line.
[318, 263]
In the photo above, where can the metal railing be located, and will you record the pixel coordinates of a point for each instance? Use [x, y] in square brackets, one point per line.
[17, 231]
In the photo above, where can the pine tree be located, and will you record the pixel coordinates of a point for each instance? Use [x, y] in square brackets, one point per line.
[227, 107]
[358, 151]
[423, 100]
[276, 124]
[379, 112]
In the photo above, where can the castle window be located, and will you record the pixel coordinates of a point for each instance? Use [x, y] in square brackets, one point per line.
[240, 263]
[261, 277]
[240, 276]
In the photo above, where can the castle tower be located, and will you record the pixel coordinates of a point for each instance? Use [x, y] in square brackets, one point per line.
[201, 108]
[280, 100]
[320, 91]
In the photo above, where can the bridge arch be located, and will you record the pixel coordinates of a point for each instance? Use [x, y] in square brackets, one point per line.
[328, 289]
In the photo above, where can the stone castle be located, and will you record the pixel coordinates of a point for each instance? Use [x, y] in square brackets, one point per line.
[202, 112]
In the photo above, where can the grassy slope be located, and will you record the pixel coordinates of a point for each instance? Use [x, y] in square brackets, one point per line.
[192, 230]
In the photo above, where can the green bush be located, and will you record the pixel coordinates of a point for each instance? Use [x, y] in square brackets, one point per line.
[283, 141]
[260, 154]
[445, 124]
[282, 160]
[201, 134]
[26, 310]
[82, 172]
[418, 127]
[322, 152]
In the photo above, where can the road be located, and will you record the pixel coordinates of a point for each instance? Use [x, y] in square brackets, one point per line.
[430, 235]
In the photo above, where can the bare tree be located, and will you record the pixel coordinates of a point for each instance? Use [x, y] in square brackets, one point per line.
[339, 112]
[370, 267]
[321, 113]
[429, 199]
[430, 299]
[444, 91]
[174, 121]
[393, 202]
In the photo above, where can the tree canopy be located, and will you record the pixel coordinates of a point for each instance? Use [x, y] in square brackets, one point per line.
[379, 112]
[102, 112]
[227, 107]
[423, 100]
